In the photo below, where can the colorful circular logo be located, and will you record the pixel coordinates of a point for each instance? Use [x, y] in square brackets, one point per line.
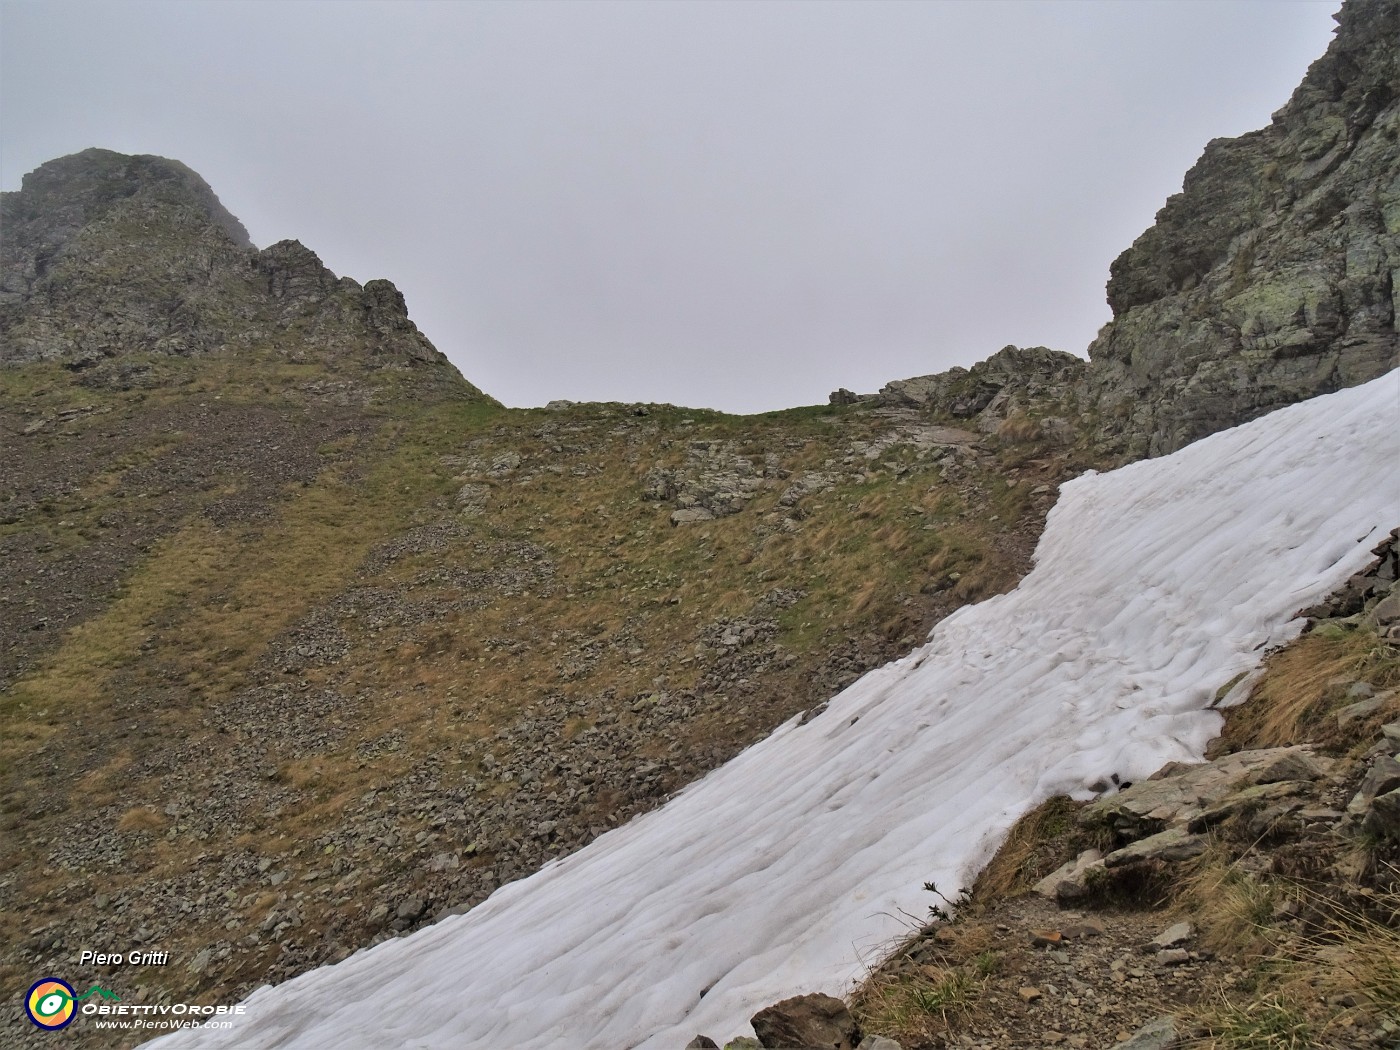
[50, 1004]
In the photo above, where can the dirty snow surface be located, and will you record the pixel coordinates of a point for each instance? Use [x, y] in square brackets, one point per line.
[794, 866]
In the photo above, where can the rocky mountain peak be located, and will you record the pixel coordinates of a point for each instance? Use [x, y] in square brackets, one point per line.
[61, 197]
[1339, 100]
[110, 257]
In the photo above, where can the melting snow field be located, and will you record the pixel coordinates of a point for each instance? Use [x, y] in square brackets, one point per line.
[796, 865]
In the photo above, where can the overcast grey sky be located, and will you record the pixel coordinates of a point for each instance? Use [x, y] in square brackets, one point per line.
[733, 205]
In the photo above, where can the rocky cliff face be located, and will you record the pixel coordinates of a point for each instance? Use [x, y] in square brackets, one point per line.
[107, 257]
[1272, 276]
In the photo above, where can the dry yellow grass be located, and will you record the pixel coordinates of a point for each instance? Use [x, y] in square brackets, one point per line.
[916, 1008]
[1019, 429]
[1338, 976]
[1232, 908]
[1302, 685]
[1035, 846]
[141, 818]
[919, 1004]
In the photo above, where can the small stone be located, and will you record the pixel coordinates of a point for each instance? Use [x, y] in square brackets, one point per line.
[1170, 845]
[1387, 610]
[878, 1042]
[1071, 881]
[1319, 815]
[1383, 817]
[1174, 936]
[1173, 956]
[200, 961]
[1160, 1034]
[691, 516]
[1083, 930]
[1383, 776]
[411, 908]
[444, 862]
[1289, 764]
[1030, 994]
[1046, 938]
[702, 1042]
[472, 498]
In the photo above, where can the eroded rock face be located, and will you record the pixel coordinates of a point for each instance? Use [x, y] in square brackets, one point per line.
[104, 252]
[1272, 276]
[294, 273]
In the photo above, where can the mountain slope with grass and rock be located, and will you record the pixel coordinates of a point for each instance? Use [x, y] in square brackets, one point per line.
[306, 642]
[319, 665]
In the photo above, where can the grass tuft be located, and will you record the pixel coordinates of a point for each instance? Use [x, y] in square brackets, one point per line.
[1267, 1023]
[1338, 973]
[1233, 908]
[1303, 685]
[915, 1008]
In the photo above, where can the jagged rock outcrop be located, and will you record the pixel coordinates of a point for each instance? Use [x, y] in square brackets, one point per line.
[1015, 380]
[295, 275]
[108, 256]
[1272, 276]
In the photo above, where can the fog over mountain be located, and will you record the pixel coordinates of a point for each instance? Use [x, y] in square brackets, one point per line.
[740, 206]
